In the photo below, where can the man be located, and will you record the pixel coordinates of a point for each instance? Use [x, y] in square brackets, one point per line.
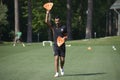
[17, 38]
[59, 51]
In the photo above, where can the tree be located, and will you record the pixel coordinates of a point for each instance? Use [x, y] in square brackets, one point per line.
[77, 14]
[69, 19]
[16, 11]
[3, 17]
[29, 30]
[89, 19]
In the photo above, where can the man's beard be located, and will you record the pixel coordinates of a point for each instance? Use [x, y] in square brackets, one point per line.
[57, 25]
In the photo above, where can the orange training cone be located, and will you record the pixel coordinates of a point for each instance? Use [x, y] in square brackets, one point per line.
[48, 6]
[89, 48]
[60, 41]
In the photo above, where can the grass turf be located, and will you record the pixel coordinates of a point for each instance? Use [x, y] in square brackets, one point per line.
[35, 62]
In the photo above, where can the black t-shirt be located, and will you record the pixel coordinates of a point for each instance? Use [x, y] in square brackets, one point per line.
[61, 31]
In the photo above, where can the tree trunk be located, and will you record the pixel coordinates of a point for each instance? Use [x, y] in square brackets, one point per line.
[107, 23]
[89, 20]
[16, 16]
[118, 33]
[116, 27]
[110, 24]
[29, 30]
[69, 19]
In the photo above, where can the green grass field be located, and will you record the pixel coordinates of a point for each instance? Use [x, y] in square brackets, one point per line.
[35, 62]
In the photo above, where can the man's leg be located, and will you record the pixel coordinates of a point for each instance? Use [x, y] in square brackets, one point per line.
[15, 40]
[56, 64]
[62, 61]
[20, 40]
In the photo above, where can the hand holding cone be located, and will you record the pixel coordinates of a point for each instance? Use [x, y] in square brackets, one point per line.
[60, 41]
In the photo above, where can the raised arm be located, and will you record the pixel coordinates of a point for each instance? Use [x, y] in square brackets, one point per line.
[47, 19]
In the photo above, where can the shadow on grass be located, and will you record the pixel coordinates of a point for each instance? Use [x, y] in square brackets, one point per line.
[86, 74]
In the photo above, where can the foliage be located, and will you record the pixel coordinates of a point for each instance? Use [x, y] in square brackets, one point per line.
[79, 18]
[3, 18]
[99, 15]
[3, 15]
[79, 7]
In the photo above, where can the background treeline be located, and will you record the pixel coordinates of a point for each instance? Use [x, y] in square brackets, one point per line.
[40, 31]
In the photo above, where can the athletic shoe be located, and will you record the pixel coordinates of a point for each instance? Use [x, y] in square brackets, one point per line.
[62, 71]
[13, 44]
[56, 74]
[23, 45]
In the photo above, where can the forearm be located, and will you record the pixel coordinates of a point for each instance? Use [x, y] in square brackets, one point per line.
[47, 17]
[65, 37]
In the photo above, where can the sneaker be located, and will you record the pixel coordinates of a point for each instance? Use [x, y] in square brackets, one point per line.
[56, 74]
[23, 45]
[13, 44]
[62, 71]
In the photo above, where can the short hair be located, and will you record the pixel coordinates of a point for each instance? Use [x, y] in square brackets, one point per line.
[57, 17]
